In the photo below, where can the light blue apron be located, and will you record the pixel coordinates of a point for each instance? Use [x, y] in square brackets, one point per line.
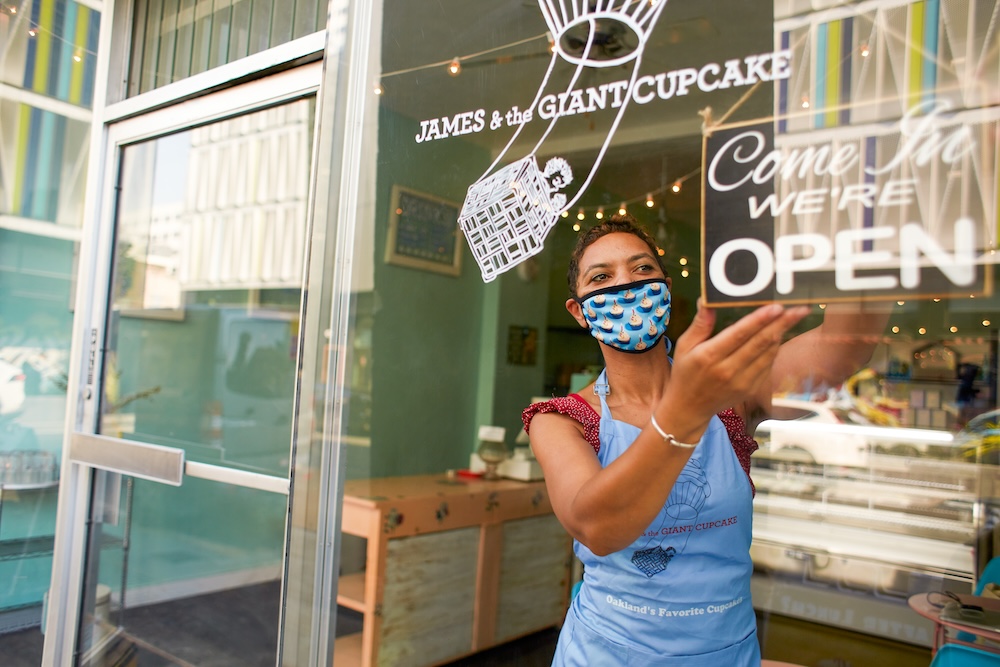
[680, 594]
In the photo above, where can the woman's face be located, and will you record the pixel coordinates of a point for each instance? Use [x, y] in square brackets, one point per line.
[616, 259]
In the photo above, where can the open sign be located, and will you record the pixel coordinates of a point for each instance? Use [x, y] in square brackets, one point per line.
[879, 212]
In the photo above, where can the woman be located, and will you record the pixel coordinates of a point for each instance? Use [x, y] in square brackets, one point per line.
[648, 467]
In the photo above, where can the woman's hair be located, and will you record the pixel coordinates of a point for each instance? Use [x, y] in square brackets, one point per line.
[617, 223]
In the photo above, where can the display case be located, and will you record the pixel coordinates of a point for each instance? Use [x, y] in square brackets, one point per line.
[453, 566]
[850, 521]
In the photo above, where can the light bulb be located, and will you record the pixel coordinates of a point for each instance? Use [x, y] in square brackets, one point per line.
[822, 306]
[580, 215]
[621, 209]
[953, 329]
[576, 226]
[649, 200]
[600, 213]
[378, 90]
[986, 323]
[805, 101]
[565, 214]
[937, 300]
[32, 32]
[684, 273]
[921, 331]
[683, 261]
[895, 330]
[865, 50]
[455, 67]
[676, 187]
[77, 57]
[660, 252]
[900, 303]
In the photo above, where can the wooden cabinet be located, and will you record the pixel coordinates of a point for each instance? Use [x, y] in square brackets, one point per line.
[453, 566]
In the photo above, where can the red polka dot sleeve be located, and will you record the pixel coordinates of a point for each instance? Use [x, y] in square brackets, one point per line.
[574, 406]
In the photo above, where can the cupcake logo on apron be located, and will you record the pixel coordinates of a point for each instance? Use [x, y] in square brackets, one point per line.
[683, 506]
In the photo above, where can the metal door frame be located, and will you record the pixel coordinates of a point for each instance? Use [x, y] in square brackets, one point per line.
[84, 449]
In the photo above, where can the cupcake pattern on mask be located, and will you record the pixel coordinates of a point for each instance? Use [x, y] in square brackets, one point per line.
[645, 321]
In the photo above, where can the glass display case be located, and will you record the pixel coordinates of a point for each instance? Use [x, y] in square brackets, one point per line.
[851, 520]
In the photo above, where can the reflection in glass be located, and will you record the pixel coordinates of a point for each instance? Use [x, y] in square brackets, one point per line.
[204, 322]
[171, 583]
[202, 342]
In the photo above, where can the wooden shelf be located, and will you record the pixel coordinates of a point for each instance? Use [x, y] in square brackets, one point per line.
[351, 591]
[453, 566]
[347, 649]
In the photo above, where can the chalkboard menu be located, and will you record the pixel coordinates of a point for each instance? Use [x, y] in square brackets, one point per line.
[423, 232]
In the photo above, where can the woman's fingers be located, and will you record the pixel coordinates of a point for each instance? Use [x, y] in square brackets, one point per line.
[738, 358]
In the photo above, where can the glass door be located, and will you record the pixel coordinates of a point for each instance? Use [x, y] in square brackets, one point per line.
[188, 383]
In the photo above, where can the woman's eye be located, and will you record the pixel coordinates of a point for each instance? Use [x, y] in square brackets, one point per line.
[597, 277]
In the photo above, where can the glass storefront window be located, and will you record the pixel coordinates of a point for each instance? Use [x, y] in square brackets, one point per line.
[876, 130]
[47, 72]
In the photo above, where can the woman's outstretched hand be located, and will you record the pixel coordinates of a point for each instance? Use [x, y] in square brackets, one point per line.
[715, 372]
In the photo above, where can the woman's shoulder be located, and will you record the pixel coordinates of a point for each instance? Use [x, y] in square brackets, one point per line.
[573, 406]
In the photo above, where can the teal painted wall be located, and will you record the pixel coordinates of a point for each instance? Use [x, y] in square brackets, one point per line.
[439, 343]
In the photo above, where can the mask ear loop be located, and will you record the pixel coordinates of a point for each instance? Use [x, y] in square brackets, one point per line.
[670, 346]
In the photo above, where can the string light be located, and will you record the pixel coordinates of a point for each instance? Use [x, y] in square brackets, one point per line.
[581, 215]
[649, 198]
[937, 300]
[576, 226]
[685, 273]
[77, 57]
[32, 32]
[953, 329]
[378, 89]
[455, 67]
[676, 187]
[822, 306]
[661, 252]
[895, 330]
[805, 101]
[900, 303]
[986, 323]
[466, 58]
[865, 50]
[683, 261]
[921, 331]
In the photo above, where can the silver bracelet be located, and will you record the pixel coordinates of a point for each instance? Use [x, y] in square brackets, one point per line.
[669, 437]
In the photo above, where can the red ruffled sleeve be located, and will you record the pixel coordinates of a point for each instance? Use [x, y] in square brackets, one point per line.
[572, 406]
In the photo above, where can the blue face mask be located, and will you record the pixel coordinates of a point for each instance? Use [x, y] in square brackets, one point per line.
[631, 317]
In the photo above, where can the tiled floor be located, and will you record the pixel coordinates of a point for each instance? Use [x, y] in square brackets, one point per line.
[238, 628]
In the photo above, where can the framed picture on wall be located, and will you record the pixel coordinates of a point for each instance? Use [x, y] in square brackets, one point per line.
[423, 232]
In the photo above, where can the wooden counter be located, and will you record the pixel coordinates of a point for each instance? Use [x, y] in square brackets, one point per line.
[453, 566]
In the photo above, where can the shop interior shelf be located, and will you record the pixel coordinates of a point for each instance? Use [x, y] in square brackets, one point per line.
[351, 591]
[28, 547]
[347, 649]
